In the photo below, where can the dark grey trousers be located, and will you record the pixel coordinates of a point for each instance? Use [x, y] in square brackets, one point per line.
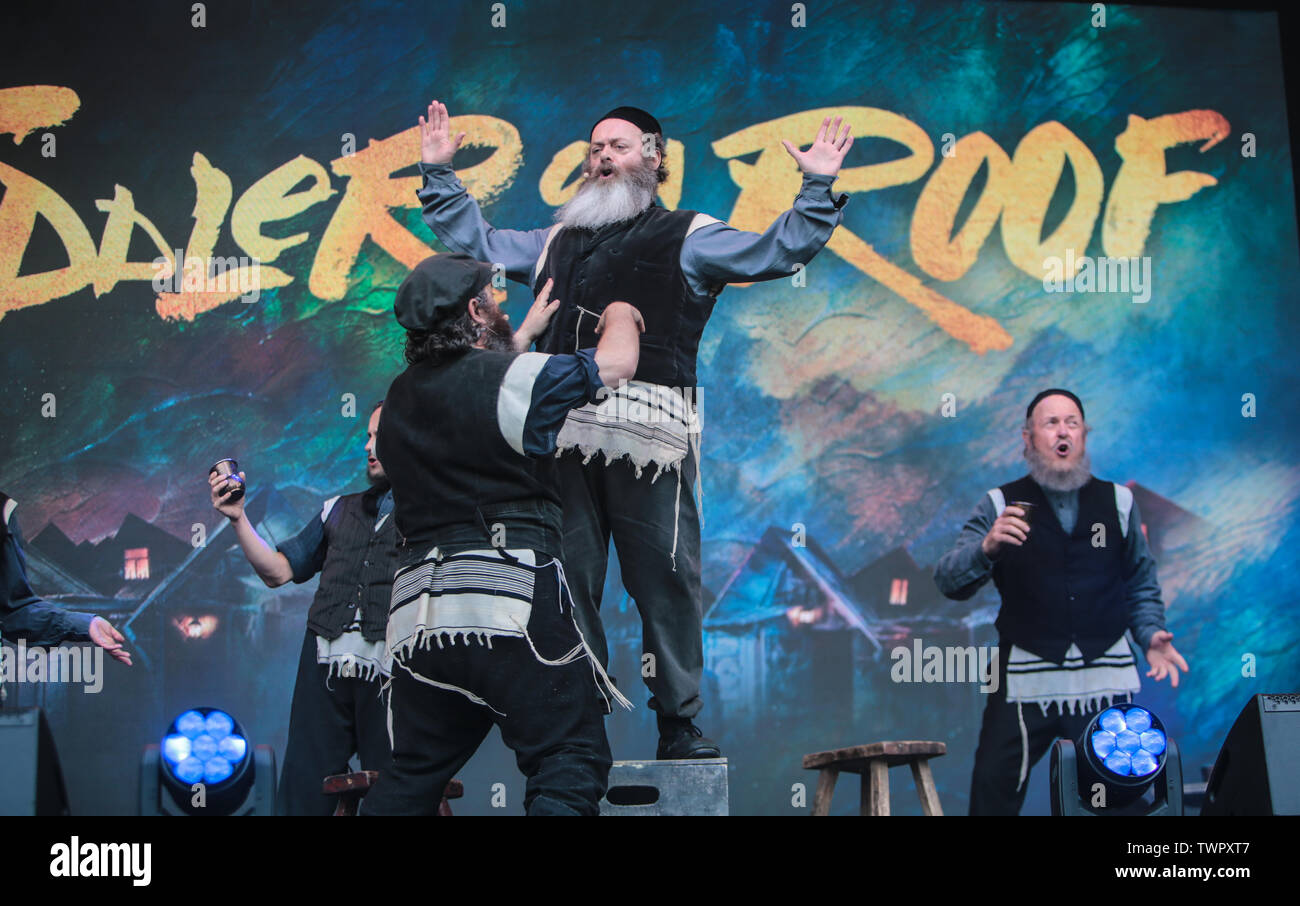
[550, 715]
[330, 719]
[995, 780]
[603, 501]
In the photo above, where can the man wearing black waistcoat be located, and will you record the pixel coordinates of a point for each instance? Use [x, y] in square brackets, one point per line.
[481, 629]
[1070, 560]
[614, 241]
[337, 708]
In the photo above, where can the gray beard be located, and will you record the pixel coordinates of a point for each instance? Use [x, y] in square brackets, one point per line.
[1042, 471]
[599, 204]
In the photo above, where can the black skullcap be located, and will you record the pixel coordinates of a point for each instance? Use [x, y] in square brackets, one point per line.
[634, 115]
[1055, 391]
[439, 288]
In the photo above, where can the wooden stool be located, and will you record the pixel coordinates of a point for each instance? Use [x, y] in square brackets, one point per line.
[873, 762]
[351, 787]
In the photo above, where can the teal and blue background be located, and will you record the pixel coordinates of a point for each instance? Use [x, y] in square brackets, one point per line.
[855, 450]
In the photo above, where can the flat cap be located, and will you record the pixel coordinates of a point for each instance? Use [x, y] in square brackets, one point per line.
[438, 289]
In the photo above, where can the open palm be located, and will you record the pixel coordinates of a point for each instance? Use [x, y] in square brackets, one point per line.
[436, 143]
[828, 150]
[1164, 658]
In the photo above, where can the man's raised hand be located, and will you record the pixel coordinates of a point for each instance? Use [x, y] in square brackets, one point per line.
[221, 488]
[436, 144]
[828, 150]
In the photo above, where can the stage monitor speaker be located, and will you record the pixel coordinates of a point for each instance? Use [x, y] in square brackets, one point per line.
[1258, 768]
[33, 780]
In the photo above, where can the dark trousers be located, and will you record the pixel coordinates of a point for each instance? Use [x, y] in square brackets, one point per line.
[997, 759]
[602, 501]
[551, 716]
[328, 723]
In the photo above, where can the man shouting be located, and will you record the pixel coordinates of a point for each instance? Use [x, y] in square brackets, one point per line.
[1067, 600]
[612, 240]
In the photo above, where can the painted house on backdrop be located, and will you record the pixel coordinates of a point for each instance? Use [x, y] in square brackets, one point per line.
[791, 633]
[895, 587]
[785, 633]
[163, 588]
[53, 582]
[212, 631]
[215, 592]
[1166, 524]
[127, 565]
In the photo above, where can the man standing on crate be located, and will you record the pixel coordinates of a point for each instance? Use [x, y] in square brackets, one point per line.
[614, 241]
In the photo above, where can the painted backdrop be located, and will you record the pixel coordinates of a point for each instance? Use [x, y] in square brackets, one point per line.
[1038, 198]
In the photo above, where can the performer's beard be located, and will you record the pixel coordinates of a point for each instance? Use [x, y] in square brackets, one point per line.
[496, 334]
[1048, 475]
[602, 202]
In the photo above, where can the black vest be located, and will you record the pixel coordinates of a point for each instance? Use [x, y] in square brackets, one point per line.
[1057, 589]
[637, 261]
[457, 483]
[358, 569]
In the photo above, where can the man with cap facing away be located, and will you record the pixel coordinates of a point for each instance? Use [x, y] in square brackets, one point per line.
[1068, 556]
[481, 630]
[613, 241]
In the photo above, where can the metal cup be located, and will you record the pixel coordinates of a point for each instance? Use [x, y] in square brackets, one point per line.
[1028, 510]
[229, 469]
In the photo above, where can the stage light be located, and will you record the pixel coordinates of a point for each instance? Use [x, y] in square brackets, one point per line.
[206, 746]
[1127, 742]
[1121, 754]
[205, 766]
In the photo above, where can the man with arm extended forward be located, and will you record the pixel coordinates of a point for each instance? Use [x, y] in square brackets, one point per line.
[481, 629]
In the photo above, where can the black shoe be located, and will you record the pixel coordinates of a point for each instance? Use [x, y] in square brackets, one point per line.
[679, 738]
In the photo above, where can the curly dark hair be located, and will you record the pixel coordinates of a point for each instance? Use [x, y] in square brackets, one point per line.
[448, 341]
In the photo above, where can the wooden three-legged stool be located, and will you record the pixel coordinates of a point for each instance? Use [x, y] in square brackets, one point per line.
[873, 762]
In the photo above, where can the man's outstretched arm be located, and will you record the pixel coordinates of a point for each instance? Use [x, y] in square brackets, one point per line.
[453, 214]
[271, 566]
[716, 254]
[539, 390]
[1146, 605]
[25, 615]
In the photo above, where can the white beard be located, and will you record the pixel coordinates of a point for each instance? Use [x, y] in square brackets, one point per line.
[1043, 471]
[598, 204]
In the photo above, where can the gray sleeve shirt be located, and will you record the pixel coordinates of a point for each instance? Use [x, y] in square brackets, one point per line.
[964, 569]
[712, 255]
